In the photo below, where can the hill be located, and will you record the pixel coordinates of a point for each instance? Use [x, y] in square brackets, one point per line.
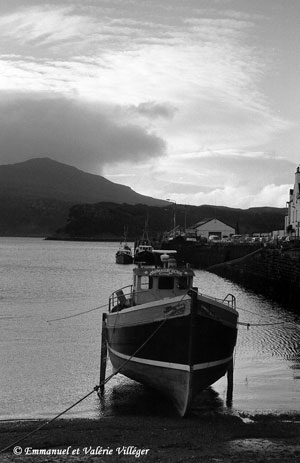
[45, 178]
[40, 196]
[36, 195]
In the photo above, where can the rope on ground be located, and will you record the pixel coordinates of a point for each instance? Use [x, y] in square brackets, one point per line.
[48, 422]
[95, 389]
[77, 314]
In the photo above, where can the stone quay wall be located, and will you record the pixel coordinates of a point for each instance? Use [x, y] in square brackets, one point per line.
[203, 255]
[274, 273]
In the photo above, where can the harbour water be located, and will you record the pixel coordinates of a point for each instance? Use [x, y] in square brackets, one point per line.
[47, 364]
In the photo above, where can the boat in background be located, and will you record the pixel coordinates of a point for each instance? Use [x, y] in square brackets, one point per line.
[124, 253]
[143, 253]
[161, 331]
[143, 250]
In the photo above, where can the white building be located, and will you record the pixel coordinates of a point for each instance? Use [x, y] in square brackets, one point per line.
[209, 227]
[292, 219]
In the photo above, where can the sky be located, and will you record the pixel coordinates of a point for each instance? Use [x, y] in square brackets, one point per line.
[195, 101]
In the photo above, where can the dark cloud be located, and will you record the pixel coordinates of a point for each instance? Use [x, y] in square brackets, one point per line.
[154, 110]
[78, 133]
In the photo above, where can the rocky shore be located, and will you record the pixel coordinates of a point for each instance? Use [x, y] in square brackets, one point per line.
[207, 437]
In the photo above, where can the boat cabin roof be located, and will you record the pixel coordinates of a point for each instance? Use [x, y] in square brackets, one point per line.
[164, 271]
[144, 246]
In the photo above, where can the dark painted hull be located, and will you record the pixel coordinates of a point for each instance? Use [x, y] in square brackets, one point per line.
[123, 258]
[145, 257]
[192, 346]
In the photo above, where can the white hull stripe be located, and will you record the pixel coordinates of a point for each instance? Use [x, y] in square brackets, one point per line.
[174, 366]
[202, 366]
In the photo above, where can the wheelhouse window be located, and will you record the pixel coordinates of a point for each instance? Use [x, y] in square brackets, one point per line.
[165, 283]
[144, 282]
[183, 283]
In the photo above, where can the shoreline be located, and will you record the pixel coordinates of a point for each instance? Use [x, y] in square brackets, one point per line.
[203, 437]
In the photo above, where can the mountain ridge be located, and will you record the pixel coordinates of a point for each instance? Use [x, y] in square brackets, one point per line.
[46, 178]
[40, 196]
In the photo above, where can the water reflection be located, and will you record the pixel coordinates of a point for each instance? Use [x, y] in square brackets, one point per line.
[126, 397]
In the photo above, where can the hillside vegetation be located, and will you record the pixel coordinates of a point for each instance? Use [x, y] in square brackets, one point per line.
[108, 220]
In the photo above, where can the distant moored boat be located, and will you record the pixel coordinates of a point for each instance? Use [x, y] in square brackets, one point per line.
[124, 254]
[143, 250]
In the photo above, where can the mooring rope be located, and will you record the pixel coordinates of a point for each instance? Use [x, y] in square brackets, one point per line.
[95, 389]
[260, 324]
[77, 314]
[48, 422]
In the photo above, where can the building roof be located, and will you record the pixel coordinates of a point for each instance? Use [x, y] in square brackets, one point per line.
[204, 221]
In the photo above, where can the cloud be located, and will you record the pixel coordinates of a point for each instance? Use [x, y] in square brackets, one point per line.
[235, 179]
[169, 96]
[45, 25]
[154, 110]
[78, 133]
[240, 168]
[270, 195]
[198, 65]
[100, 26]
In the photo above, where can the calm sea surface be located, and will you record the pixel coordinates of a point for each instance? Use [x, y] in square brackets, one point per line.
[46, 366]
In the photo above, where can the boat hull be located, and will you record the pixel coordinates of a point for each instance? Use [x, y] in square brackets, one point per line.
[145, 257]
[123, 258]
[178, 347]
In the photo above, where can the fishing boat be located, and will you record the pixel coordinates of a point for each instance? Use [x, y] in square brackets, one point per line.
[143, 249]
[143, 253]
[124, 254]
[162, 332]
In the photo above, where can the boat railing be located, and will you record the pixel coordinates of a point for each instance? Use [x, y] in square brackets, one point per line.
[229, 299]
[121, 297]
